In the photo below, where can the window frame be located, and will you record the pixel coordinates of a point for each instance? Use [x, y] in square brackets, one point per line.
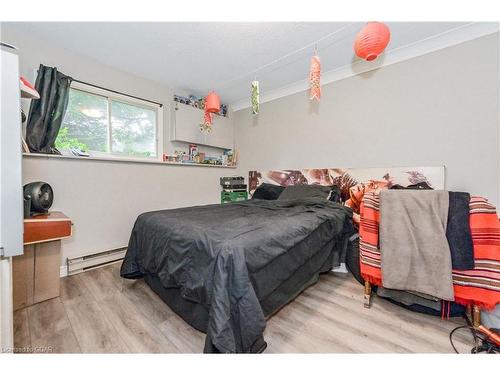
[112, 96]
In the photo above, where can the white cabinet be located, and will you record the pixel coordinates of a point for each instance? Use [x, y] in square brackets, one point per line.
[184, 123]
[11, 193]
[185, 127]
[222, 134]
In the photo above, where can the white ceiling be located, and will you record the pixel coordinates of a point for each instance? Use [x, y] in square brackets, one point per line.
[197, 57]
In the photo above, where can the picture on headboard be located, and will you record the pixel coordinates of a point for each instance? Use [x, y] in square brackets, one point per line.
[353, 182]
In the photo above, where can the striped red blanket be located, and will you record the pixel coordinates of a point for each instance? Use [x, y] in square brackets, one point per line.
[479, 286]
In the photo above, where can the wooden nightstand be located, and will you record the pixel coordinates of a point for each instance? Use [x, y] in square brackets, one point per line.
[36, 273]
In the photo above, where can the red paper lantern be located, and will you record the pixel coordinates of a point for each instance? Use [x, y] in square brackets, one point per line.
[372, 40]
[212, 102]
[212, 105]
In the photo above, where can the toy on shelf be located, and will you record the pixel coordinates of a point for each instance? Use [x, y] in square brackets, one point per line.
[199, 102]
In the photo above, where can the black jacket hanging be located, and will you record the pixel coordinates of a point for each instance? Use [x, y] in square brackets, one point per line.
[47, 113]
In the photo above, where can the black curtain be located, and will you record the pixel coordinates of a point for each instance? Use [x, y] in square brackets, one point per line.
[46, 114]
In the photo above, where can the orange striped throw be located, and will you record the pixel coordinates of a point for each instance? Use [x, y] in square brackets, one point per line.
[479, 286]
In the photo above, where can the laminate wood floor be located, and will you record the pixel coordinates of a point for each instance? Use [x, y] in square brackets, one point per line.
[98, 312]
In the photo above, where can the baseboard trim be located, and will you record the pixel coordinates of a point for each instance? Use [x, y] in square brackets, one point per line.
[87, 262]
[63, 270]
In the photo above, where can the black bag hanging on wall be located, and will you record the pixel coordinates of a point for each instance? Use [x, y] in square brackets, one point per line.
[47, 113]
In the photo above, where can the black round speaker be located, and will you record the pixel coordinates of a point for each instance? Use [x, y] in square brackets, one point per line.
[41, 196]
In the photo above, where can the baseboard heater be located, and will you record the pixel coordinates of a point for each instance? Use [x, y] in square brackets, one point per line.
[95, 260]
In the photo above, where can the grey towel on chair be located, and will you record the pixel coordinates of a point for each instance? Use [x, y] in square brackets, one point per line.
[458, 232]
[414, 249]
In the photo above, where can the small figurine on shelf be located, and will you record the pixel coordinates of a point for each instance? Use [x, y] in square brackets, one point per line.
[223, 110]
[170, 158]
[228, 158]
[193, 151]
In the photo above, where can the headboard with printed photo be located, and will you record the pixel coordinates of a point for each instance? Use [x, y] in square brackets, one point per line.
[353, 182]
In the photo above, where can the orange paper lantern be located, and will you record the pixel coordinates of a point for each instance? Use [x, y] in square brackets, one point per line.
[212, 102]
[212, 105]
[372, 40]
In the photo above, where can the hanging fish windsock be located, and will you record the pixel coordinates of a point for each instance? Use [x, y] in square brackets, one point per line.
[255, 98]
[314, 78]
[206, 125]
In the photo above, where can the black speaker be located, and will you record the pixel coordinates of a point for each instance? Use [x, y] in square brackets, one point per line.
[41, 196]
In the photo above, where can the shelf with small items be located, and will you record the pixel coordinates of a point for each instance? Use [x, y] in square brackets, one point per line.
[195, 156]
[122, 160]
[199, 102]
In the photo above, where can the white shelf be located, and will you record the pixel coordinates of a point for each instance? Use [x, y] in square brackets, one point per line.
[123, 160]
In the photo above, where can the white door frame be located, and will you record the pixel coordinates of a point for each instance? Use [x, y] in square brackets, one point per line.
[6, 306]
[11, 215]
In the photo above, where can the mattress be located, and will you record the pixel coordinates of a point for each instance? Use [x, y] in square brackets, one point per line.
[226, 268]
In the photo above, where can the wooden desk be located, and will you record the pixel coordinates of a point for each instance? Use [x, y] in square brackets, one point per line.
[36, 272]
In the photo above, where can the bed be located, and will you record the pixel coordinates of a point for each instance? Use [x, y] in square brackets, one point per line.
[226, 268]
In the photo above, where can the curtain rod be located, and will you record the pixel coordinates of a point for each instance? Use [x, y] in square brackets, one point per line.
[117, 92]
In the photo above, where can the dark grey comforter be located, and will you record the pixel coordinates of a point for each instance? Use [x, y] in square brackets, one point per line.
[212, 253]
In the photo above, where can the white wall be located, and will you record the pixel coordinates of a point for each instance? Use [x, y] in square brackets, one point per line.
[104, 198]
[437, 109]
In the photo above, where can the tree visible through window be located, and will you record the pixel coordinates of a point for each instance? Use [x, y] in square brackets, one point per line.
[101, 124]
[132, 130]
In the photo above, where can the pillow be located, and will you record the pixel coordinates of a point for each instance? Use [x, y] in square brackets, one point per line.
[305, 191]
[268, 192]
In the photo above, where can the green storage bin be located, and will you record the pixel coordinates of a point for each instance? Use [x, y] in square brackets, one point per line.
[233, 196]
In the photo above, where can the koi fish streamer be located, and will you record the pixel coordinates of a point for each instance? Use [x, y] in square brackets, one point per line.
[255, 98]
[206, 125]
[314, 78]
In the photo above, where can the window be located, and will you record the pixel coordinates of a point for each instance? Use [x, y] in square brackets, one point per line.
[104, 123]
